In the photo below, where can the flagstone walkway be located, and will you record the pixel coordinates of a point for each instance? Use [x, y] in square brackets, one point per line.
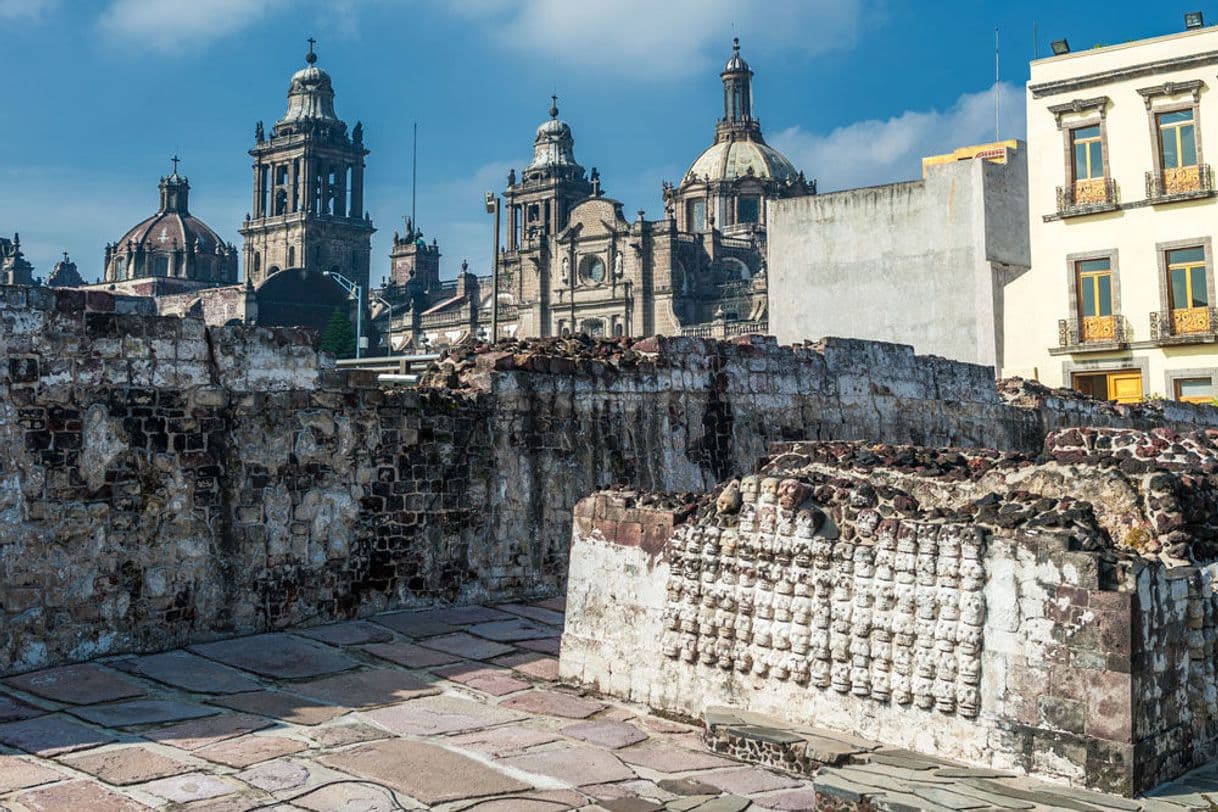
[449, 709]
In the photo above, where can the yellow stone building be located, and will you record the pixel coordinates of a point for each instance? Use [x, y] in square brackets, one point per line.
[1119, 301]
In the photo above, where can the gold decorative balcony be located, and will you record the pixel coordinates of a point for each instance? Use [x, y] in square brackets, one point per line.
[1098, 328]
[1087, 197]
[1185, 325]
[1087, 333]
[1180, 183]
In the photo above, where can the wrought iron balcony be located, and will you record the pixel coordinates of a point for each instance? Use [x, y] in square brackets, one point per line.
[1087, 197]
[1185, 325]
[1092, 333]
[1181, 183]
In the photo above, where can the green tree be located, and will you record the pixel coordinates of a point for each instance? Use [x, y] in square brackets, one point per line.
[339, 336]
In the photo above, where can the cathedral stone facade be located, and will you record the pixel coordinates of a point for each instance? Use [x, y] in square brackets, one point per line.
[15, 269]
[575, 262]
[308, 230]
[308, 208]
[307, 227]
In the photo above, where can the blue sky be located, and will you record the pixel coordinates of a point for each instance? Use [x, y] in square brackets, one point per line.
[98, 94]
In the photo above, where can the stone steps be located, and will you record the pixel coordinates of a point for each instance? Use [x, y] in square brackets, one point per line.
[853, 773]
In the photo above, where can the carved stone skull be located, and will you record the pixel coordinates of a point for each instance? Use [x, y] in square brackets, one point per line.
[792, 493]
[749, 489]
[729, 500]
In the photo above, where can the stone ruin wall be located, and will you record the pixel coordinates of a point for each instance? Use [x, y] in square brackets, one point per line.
[1011, 628]
[169, 482]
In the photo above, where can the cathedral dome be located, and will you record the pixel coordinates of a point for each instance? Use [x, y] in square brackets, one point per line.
[172, 242]
[173, 226]
[729, 160]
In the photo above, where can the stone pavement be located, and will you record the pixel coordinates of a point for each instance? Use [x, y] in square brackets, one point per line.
[450, 709]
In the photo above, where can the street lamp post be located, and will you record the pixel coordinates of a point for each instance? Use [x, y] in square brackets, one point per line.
[355, 292]
[492, 207]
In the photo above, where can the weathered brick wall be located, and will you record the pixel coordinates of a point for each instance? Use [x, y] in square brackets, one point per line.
[165, 481]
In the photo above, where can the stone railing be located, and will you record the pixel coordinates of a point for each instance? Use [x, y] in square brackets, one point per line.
[1181, 183]
[1184, 325]
[458, 318]
[506, 313]
[743, 243]
[699, 331]
[743, 328]
[721, 328]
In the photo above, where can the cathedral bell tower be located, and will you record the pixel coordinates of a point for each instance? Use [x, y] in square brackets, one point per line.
[308, 207]
[552, 183]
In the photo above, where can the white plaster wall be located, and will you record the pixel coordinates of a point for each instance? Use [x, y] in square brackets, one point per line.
[907, 262]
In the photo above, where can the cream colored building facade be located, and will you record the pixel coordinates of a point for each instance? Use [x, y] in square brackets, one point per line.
[1119, 301]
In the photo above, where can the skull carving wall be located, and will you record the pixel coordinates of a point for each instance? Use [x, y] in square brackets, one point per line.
[889, 609]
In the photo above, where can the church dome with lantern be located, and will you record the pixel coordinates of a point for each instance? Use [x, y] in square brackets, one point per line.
[172, 243]
[728, 183]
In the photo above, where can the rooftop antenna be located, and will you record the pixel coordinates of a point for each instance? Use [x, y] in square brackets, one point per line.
[997, 88]
[414, 173]
[1035, 43]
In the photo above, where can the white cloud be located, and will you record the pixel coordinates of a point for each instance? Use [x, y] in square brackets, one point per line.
[892, 150]
[168, 25]
[645, 39]
[25, 9]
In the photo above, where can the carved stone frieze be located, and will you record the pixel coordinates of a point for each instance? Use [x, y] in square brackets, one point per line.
[888, 609]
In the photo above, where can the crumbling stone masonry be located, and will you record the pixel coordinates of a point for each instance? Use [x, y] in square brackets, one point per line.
[1053, 614]
[164, 482]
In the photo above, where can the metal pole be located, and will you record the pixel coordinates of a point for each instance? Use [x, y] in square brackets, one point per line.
[359, 319]
[414, 175]
[495, 279]
[997, 87]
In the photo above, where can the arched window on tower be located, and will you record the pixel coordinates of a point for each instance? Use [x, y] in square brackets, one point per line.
[291, 256]
[264, 189]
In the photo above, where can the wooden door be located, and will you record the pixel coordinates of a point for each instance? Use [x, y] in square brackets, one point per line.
[1125, 387]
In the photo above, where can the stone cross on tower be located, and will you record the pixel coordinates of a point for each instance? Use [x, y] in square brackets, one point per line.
[311, 57]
